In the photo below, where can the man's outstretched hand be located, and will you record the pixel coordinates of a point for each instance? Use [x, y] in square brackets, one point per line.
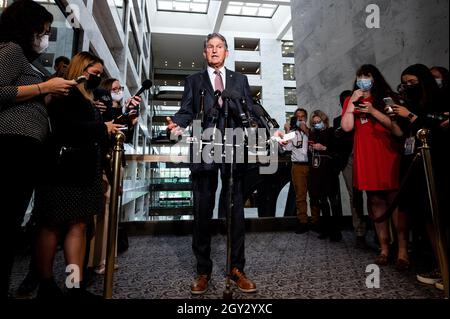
[174, 129]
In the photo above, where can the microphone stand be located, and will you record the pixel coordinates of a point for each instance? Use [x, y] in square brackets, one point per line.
[228, 294]
[200, 115]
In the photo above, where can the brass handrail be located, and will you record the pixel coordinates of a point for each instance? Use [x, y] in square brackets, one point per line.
[438, 226]
[113, 214]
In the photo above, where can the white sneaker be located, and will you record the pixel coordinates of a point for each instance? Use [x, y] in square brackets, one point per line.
[100, 270]
[429, 278]
[439, 284]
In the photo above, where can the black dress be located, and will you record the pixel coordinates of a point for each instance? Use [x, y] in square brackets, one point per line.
[72, 188]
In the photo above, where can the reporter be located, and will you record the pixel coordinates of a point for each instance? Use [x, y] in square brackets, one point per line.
[71, 194]
[300, 170]
[376, 154]
[422, 97]
[24, 32]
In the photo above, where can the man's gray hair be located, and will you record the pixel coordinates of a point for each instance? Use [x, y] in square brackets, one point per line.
[215, 35]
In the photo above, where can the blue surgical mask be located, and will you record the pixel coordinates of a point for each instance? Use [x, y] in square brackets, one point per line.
[298, 123]
[319, 126]
[364, 84]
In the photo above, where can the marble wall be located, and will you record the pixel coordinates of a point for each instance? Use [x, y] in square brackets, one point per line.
[332, 40]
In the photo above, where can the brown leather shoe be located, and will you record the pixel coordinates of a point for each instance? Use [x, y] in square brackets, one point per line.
[200, 284]
[242, 282]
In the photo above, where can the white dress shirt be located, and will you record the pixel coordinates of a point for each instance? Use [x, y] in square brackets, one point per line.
[212, 76]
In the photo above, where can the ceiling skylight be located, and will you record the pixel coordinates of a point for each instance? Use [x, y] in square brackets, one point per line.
[250, 9]
[191, 6]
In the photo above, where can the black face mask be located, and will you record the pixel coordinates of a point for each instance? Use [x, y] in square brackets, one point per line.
[413, 93]
[93, 82]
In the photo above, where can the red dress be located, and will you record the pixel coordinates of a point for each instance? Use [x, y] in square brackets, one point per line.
[376, 155]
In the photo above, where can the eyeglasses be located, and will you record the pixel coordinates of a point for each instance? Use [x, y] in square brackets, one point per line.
[117, 90]
[46, 32]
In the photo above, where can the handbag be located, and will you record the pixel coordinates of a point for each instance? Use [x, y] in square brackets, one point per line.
[75, 166]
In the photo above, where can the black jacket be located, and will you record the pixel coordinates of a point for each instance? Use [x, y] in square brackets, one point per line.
[76, 138]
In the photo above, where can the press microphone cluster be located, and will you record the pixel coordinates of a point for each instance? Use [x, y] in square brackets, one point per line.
[239, 109]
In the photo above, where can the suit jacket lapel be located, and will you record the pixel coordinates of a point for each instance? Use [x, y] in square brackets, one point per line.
[230, 79]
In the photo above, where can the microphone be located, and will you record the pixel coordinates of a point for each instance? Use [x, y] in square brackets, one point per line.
[202, 105]
[145, 86]
[213, 113]
[257, 109]
[227, 96]
[217, 95]
[243, 113]
[226, 100]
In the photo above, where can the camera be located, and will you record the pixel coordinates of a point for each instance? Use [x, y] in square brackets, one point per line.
[293, 123]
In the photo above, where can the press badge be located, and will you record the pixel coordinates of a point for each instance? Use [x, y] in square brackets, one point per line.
[410, 144]
[364, 119]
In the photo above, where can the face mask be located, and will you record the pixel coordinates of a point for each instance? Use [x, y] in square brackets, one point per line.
[413, 92]
[364, 84]
[93, 82]
[40, 44]
[319, 126]
[439, 83]
[117, 96]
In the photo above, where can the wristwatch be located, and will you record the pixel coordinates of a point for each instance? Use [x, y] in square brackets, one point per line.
[411, 115]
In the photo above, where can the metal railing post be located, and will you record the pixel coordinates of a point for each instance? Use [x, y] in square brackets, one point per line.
[439, 231]
[113, 215]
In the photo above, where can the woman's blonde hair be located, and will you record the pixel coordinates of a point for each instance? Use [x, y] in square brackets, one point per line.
[322, 116]
[78, 65]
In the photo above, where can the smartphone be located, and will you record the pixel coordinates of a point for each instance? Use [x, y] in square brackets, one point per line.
[359, 105]
[81, 79]
[389, 102]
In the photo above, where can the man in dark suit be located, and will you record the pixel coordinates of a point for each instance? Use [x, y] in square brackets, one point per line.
[204, 176]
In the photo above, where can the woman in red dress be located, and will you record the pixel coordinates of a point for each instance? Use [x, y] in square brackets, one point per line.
[376, 154]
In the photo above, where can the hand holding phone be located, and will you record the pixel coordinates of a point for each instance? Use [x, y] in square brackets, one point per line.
[359, 105]
[389, 103]
[81, 79]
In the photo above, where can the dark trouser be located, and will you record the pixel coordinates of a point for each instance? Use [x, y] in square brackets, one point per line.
[324, 198]
[19, 163]
[204, 185]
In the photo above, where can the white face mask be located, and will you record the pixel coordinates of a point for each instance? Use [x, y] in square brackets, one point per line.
[117, 96]
[439, 83]
[40, 44]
